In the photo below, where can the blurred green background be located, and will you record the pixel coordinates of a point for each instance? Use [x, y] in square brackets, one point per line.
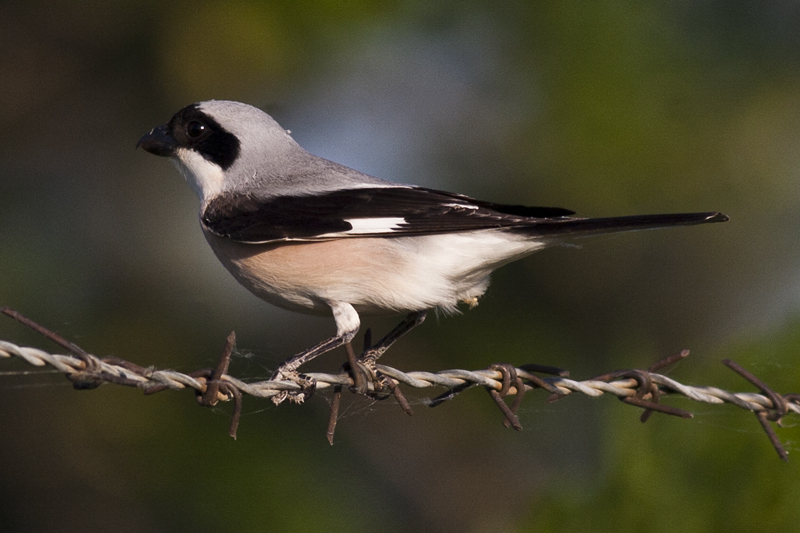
[607, 108]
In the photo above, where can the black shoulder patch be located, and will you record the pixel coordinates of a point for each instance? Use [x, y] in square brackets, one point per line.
[247, 219]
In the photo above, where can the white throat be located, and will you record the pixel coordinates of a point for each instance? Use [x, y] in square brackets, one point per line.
[204, 177]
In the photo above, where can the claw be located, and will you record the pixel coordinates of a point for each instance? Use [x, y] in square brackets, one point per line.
[307, 387]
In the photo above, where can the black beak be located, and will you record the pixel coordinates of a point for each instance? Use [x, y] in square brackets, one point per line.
[158, 142]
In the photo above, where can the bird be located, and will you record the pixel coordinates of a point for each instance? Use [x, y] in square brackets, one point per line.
[311, 235]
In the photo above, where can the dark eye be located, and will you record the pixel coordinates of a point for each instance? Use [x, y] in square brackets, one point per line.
[195, 129]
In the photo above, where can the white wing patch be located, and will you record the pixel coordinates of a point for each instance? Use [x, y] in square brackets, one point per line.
[462, 206]
[374, 225]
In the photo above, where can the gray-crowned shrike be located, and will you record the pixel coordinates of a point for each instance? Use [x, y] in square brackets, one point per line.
[310, 235]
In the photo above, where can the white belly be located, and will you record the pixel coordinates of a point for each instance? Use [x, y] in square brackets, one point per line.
[374, 275]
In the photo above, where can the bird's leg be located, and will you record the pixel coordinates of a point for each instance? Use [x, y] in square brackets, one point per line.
[372, 353]
[347, 324]
[366, 364]
[287, 371]
[296, 361]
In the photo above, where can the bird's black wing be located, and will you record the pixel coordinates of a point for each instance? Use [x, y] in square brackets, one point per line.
[363, 212]
[400, 211]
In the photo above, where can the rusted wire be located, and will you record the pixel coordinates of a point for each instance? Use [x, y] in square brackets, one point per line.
[641, 388]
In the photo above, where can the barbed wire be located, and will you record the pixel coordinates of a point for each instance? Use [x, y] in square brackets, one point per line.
[641, 388]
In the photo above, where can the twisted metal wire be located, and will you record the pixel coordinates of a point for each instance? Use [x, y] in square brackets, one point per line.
[88, 371]
[148, 378]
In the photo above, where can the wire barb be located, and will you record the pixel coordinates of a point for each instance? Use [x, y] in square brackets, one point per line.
[640, 388]
[778, 409]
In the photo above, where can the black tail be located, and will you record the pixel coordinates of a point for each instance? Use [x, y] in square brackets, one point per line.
[592, 226]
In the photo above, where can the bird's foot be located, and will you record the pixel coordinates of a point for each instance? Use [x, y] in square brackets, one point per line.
[307, 387]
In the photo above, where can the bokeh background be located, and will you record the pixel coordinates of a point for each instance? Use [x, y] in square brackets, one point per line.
[607, 108]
